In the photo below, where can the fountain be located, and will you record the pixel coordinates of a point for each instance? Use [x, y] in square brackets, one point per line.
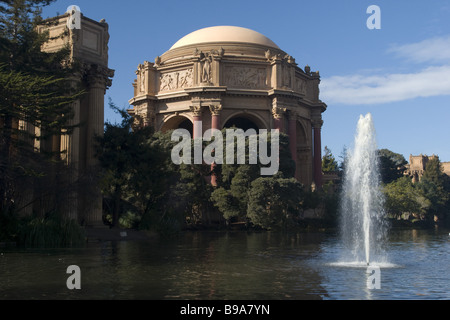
[363, 229]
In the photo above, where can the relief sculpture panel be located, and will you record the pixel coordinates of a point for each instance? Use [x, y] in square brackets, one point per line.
[176, 80]
[300, 85]
[245, 77]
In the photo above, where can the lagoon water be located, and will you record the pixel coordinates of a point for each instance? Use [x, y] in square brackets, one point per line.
[230, 265]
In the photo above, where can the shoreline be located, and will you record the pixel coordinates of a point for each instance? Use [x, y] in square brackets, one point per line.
[98, 234]
[105, 233]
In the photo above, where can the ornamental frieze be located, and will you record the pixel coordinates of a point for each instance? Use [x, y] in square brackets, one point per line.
[245, 77]
[176, 80]
[300, 85]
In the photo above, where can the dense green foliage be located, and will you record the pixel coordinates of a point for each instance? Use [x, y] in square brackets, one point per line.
[146, 190]
[36, 89]
[329, 163]
[265, 201]
[275, 202]
[392, 165]
[142, 187]
[435, 186]
[402, 196]
[427, 200]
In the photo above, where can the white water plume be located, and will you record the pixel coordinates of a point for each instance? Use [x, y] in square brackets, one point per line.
[362, 226]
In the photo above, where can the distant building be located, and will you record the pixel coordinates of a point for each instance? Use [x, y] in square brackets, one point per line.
[417, 165]
[446, 167]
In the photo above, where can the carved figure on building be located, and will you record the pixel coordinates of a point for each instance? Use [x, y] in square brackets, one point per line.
[142, 80]
[176, 80]
[206, 68]
[157, 60]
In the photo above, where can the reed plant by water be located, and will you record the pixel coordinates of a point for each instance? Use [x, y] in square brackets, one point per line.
[50, 231]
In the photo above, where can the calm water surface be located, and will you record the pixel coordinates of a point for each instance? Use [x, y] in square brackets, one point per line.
[230, 265]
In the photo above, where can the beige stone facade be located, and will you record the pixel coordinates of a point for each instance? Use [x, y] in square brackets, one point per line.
[225, 76]
[89, 47]
[446, 167]
[417, 165]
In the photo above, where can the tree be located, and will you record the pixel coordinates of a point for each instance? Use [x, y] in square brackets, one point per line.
[274, 202]
[343, 159]
[172, 193]
[392, 165]
[402, 196]
[329, 163]
[231, 196]
[36, 89]
[140, 180]
[435, 186]
[267, 202]
[36, 100]
[116, 151]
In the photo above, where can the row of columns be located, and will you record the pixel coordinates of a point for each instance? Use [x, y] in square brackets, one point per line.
[278, 124]
[292, 132]
[86, 205]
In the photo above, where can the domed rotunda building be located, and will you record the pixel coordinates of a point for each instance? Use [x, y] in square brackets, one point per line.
[230, 76]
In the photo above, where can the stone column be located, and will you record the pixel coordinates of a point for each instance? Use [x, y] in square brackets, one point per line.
[93, 201]
[215, 124]
[277, 113]
[277, 121]
[293, 139]
[197, 125]
[317, 126]
[95, 117]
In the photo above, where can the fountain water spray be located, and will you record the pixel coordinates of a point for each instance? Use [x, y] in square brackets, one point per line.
[362, 226]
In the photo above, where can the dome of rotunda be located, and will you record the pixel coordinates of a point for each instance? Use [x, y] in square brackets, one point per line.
[227, 34]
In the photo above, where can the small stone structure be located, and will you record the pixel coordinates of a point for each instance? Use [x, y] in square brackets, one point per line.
[417, 165]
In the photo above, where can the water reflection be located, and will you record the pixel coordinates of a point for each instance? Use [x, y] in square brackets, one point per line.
[228, 265]
[417, 268]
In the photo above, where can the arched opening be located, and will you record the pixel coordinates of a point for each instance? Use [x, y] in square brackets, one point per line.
[177, 122]
[241, 123]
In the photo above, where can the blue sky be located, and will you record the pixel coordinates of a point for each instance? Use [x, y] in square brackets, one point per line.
[399, 73]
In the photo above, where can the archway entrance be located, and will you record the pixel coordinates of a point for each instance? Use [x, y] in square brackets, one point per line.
[178, 122]
[241, 123]
[304, 156]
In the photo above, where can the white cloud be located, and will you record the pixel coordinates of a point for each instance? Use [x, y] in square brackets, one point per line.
[375, 89]
[435, 50]
[359, 89]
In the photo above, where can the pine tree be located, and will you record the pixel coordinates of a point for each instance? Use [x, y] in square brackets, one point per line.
[329, 163]
[36, 89]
